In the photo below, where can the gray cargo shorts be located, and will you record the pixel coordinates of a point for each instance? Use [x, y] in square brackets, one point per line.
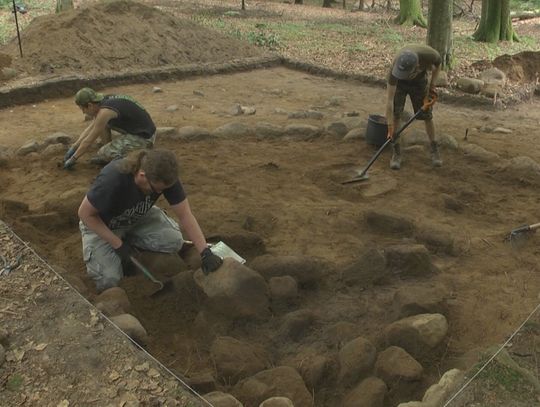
[154, 232]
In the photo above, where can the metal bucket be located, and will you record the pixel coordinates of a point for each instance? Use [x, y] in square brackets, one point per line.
[376, 130]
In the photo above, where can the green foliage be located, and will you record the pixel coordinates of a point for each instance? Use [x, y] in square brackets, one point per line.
[509, 379]
[356, 49]
[524, 5]
[263, 39]
[392, 36]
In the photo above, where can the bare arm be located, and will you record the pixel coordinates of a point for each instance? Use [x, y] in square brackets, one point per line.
[89, 215]
[434, 76]
[97, 128]
[83, 135]
[190, 224]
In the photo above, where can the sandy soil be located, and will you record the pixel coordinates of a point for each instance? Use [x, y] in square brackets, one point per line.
[291, 193]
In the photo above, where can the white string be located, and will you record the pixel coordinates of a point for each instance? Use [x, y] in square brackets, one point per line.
[105, 317]
[491, 358]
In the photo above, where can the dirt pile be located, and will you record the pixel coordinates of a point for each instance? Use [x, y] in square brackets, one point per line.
[119, 36]
[522, 68]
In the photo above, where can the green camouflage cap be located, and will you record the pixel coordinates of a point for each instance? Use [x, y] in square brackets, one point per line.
[87, 95]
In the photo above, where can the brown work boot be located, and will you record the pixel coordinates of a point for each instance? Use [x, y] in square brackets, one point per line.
[395, 161]
[435, 156]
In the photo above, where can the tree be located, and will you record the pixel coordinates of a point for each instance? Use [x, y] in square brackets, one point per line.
[495, 22]
[410, 13]
[439, 33]
[327, 3]
[298, 1]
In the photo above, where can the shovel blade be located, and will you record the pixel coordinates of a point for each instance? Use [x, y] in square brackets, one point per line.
[168, 287]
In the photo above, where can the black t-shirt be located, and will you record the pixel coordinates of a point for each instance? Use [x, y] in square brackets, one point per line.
[132, 117]
[120, 202]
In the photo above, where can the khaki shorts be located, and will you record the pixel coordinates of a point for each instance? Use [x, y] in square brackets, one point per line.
[416, 90]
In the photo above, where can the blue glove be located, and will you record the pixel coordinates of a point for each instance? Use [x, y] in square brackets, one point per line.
[68, 165]
[69, 153]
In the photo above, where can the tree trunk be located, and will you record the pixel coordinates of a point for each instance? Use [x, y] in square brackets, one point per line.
[298, 1]
[243, 4]
[439, 33]
[410, 13]
[495, 22]
[327, 3]
[361, 5]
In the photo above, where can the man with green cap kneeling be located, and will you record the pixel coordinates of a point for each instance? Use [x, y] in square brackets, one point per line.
[111, 112]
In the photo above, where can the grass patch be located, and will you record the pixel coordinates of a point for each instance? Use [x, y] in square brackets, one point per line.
[524, 5]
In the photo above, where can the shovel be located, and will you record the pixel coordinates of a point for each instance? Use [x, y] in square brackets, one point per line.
[521, 232]
[362, 175]
[163, 286]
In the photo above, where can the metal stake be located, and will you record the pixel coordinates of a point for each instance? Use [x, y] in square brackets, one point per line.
[17, 25]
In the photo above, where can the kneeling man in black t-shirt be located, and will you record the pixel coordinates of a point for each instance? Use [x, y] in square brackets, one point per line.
[118, 212]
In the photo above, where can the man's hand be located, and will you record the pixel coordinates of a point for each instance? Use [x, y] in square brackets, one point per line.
[210, 261]
[125, 252]
[70, 163]
[390, 134]
[69, 153]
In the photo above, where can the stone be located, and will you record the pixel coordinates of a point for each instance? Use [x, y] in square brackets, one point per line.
[436, 240]
[131, 326]
[165, 132]
[281, 381]
[312, 364]
[442, 80]
[283, 288]
[370, 392]
[2, 355]
[157, 89]
[235, 359]
[306, 114]
[45, 221]
[354, 134]
[220, 399]
[470, 85]
[235, 291]
[337, 129]
[409, 260]
[57, 138]
[232, 130]
[248, 110]
[301, 132]
[494, 76]
[370, 268]
[202, 382]
[235, 110]
[277, 402]
[477, 153]
[30, 147]
[171, 108]
[54, 149]
[417, 334]
[295, 324]
[113, 301]
[8, 73]
[192, 133]
[356, 360]
[414, 300]
[265, 130]
[438, 393]
[341, 332]
[395, 365]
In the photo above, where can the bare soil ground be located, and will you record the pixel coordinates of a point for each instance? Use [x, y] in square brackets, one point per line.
[289, 194]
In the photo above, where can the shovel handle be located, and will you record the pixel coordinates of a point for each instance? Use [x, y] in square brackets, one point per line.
[145, 271]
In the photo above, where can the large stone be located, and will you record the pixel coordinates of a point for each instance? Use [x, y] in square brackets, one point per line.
[235, 360]
[470, 85]
[417, 334]
[493, 76]
[57, 138]
[368, 269]
[277, 402]
[2, 355]
[265, 130]
[192, 133]
[370, 392]
[67, 204]
[306, 114]
[394, 365]
[337, 129]
[232, 130]
[54, 149]
[283, 291]
[409, 260]
[312, 364]
[30, 147]
[438, 393]
[301, 132]
[235, 291]
[478, 153]
[442, 80]
[220, 399]
[436, 240]
[295, 324]
[340, 333]
[203, 382]
[132, 327]
[354, 134]
[282, 381]
[304, 269]
[113, 301]
[414, 300]
[356, 360]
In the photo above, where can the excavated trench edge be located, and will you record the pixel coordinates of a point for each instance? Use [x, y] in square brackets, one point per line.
[67, 86]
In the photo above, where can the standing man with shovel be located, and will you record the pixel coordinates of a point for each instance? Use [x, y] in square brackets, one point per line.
[408, 75]
[118, 212]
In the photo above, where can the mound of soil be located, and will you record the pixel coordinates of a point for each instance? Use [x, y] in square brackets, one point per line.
[523, 67]
[119, 36]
